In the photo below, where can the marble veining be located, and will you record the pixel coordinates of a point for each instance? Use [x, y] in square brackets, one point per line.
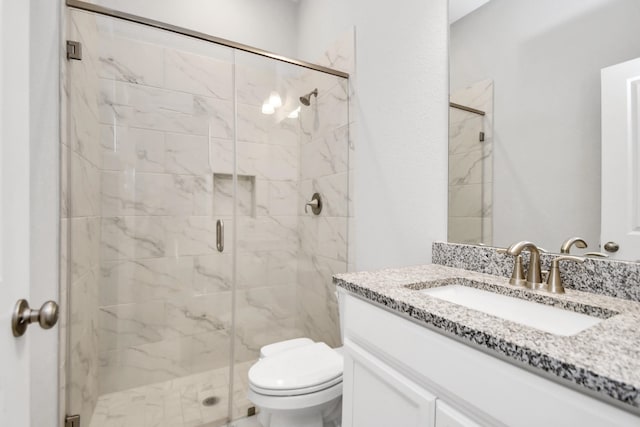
[325, 165]
[601, 359]
[175, 403]
[152, 146]
[471, 165]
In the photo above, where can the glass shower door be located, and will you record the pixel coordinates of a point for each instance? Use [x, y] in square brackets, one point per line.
[149, 288]
[287, 150]
[172, 142]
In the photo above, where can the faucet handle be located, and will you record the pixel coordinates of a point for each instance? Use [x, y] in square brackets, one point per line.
[554, 282]
[312, 203]
[596, 255]
[517, 275]
[315, 203]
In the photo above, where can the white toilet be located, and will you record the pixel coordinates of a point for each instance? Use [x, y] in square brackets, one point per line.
[297, 383]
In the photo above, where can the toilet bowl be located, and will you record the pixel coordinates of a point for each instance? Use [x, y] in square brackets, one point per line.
[297, 383]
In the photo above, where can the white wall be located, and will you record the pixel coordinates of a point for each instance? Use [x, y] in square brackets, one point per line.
[401, 121]
[545, 59]
[265, 24]
[460, 8]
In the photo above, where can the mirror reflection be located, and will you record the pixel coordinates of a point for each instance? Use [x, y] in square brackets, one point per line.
[526, 125]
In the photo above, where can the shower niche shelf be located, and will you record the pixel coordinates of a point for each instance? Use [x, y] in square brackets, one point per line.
[223, 197]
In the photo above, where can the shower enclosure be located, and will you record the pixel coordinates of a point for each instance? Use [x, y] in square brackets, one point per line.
[186, 167]
[471, 164]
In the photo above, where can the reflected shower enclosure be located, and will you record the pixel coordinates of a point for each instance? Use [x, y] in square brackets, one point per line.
[470, 208]
[164, 142]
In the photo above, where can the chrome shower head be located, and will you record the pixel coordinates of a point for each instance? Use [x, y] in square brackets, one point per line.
[306, 99]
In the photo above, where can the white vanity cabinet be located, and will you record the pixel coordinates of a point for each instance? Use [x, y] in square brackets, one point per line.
[446, 416]
[381, 396]
[400, 373]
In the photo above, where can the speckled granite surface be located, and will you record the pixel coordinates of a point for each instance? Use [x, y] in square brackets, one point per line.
[603, 359]
[620, 279]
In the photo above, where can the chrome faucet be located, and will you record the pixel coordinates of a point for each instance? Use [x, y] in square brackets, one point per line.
[534, 276]
[579, 242]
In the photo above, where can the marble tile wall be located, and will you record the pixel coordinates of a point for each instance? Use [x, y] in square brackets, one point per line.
[326, 143]
[80, 220]
[149, 166]
[159, 315]
[168, 150]
[268, 150]
[470, 166]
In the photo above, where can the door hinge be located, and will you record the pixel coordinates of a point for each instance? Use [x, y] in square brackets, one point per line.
[74, 50]
[72, 421]
[481, 136]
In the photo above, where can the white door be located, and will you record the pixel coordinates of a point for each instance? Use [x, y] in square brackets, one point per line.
[28, 138]
[14, 209]
[621, 160]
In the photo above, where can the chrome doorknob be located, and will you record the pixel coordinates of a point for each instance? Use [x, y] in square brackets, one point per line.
[23, 316]
[611, 247]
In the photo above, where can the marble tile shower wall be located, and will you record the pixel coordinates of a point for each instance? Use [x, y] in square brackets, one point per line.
[166, 134]
[149, 160]
[80, 220]
[268, 152]
[325, 168]
[470, 166]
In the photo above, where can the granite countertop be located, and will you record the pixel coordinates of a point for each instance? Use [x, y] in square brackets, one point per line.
[603, 360]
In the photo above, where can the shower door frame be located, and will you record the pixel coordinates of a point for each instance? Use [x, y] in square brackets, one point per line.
[108, 12]
[101, 10]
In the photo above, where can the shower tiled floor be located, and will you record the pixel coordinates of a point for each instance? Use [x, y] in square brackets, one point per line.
[177, 403]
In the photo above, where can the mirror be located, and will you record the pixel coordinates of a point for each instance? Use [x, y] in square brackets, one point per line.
[527, 166]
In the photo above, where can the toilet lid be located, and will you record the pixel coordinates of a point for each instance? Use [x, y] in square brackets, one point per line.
[298, 368]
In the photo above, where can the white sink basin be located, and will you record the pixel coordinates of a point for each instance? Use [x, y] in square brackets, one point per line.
[543, 317]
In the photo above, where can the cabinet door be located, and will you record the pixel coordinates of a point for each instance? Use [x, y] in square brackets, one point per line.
[446, 416]
[376, 395]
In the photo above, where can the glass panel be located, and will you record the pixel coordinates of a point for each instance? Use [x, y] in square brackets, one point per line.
[470, 176]
[150, 295]
[286, 152]
[151, 165]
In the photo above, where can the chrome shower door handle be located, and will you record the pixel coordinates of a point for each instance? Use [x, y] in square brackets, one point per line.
[220, 235]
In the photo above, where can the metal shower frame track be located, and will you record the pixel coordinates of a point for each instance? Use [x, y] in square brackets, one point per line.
[101, 10]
